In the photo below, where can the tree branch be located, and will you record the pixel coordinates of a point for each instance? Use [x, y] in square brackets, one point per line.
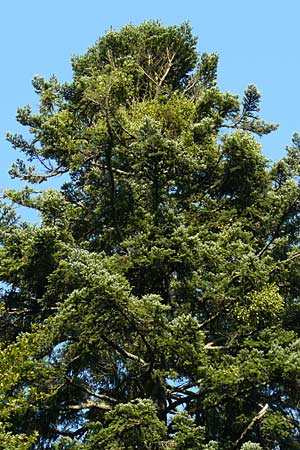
[103, 397]
[180, 401]
[255, 419]
[90, 404]
[165, 74]
[277, 229]
[123, 352]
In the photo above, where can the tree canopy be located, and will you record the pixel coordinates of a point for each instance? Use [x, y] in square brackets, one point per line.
[156, 304]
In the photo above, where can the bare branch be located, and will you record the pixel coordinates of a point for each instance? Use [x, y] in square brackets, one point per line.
[103, 397]
[212, 318]
[186, 399]
[123, 352]
[183, 387]
[69, 433]
[255, 419]
[294, 256]
[90, 404]
[211, 346]
[149, 76]
[170, 62]
[125, 129]
[191, 84]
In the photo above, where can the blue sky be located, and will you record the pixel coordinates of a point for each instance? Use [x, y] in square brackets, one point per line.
[258, 42]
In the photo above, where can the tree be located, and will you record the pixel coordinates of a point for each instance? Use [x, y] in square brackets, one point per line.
[156, 305]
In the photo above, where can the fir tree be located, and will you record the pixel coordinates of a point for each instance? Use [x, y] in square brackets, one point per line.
[156, 305]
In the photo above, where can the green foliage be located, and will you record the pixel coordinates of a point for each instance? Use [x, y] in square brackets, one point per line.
[251, 446]
[187, 434]
[129, 426]
[156, 304]
[15, 442]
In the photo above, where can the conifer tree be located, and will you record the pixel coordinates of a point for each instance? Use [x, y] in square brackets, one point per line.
[156, 305]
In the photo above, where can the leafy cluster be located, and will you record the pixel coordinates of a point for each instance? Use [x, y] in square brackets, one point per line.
[156, 306]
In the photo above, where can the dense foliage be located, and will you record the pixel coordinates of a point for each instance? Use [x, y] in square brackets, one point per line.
[156, 305]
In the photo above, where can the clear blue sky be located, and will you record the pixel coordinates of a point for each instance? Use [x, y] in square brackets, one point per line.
[258, 42]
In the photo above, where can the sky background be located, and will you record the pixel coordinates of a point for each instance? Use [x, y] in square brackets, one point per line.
[258, 42]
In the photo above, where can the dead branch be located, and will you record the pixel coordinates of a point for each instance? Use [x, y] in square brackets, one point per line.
[255, 419]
